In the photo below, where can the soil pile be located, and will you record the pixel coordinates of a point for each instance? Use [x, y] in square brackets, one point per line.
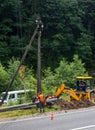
[65, 105]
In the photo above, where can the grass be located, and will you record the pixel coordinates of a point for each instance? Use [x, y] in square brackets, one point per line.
[14, 113]
[17, 113]
[65, 96]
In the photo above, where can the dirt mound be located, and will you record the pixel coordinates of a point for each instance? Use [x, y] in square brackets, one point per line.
[65, 105]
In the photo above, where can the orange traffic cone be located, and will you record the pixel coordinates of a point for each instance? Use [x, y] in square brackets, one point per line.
[52, 116]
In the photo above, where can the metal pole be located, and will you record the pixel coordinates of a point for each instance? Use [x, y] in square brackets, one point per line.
[40, 27]
[39, 63]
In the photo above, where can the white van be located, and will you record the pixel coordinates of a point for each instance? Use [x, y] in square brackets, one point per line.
[13, 96]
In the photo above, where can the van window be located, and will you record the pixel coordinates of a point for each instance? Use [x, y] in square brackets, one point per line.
[11, 96]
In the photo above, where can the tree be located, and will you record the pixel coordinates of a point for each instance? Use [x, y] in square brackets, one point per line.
[65, 73]
[25, 81]
[83, 48]
[67, 26]
[3, 78]
[68, 71]
[48, 81]
[62, 29]
[12, 66]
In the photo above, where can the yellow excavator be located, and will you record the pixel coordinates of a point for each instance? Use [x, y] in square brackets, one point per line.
[85, 89]
[74, 94]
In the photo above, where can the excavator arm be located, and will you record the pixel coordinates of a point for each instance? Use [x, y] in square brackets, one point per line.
[74, 95]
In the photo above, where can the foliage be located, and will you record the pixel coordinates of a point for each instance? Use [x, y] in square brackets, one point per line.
[12, 67]
[68, 30]
[3, 78]
[65, 73]
[84, 47]
[48, 82]
[28, 82]
[68, 71]
[3, 53]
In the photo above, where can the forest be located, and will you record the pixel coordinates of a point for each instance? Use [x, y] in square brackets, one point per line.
[67, 42]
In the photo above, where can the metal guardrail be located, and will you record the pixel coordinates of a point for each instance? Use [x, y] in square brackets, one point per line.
[17, 107]
[25, 106]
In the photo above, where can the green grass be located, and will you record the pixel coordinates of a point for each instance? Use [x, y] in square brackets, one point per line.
[17, 113]
[65, 96]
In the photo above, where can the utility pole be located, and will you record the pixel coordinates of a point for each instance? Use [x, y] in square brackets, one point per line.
[40, 27]
[37, 30]
[22, 60]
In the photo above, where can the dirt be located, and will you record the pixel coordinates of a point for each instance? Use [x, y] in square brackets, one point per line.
[65, 105]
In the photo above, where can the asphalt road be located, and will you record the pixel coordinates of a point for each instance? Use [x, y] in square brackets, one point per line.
[70, 120]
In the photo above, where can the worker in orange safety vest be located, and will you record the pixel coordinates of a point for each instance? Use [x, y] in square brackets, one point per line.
[41, 101]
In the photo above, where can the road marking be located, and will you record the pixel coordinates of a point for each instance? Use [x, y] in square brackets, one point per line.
[81, 128]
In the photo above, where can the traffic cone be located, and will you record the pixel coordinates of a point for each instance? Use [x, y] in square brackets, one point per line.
[52, 116]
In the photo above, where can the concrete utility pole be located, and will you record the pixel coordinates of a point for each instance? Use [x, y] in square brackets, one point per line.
[40, 27]
[22, 60]
[36, 31]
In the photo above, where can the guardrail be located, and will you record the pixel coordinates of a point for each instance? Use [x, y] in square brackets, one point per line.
[17, 107]
[26, 106]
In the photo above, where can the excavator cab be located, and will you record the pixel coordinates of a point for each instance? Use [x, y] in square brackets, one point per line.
[83, 83]
[86, 84]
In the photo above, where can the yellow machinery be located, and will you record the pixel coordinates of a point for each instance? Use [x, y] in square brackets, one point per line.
[80, 93]
[74, 95]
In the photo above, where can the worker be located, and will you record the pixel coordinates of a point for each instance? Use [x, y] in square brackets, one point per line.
[41, 101]
[83, 86]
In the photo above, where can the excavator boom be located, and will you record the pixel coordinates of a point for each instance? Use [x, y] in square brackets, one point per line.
[74, 95]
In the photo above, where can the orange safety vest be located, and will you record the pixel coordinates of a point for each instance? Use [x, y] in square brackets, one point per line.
[41, 98]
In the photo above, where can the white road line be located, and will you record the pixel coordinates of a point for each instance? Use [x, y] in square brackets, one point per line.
[81, 128]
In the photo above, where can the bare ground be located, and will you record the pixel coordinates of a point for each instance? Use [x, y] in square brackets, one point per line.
[65, 105]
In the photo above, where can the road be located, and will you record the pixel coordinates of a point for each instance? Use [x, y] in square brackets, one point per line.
[70, 120]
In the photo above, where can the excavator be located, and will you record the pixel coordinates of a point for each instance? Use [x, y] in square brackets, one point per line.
[85, 90]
